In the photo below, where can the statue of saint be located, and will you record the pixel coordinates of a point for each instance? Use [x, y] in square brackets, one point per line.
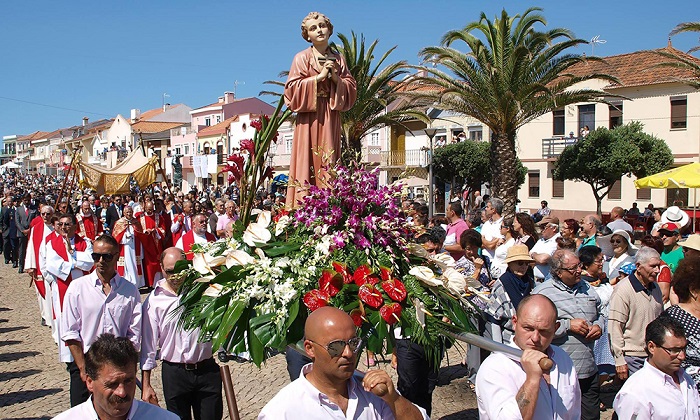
[177, 172]
[318, 89]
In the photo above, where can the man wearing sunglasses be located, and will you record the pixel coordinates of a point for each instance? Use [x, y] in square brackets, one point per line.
[191, 377]
[40, 228]
[661, 389]
[673, 253]
[327, 388]
[100, 302]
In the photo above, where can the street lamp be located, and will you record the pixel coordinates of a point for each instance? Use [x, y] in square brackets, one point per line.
[270, 161]
[430, 132]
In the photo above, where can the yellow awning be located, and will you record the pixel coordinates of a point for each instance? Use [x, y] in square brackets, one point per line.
[686, 176]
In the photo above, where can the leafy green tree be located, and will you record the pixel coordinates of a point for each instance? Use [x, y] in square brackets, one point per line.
[684, 61]
[604, 156]
[513, 75]
[467, 163]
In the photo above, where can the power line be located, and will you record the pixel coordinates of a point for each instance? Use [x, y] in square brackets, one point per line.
[54, 106]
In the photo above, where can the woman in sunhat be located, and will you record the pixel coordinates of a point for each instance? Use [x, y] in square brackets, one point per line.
[623, 251]
[507, 292]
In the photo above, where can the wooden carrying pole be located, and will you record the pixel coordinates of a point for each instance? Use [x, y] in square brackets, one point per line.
[72, 168]
[230, 394]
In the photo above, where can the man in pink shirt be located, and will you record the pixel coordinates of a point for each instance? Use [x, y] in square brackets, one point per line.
[454, 230]
[191, 377]
[98, 303]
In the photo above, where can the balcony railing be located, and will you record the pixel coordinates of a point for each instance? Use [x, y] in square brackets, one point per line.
[552, 148]
[404, 158]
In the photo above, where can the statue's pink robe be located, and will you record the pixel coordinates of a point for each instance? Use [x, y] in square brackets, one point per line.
[317, 134]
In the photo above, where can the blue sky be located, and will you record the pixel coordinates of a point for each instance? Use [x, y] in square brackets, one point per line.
[98, 58]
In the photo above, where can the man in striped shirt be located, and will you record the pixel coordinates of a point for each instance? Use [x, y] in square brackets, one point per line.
[580, 324]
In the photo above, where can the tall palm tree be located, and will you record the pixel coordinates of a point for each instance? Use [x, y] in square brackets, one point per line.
[381, 94]
[684, 61]
[510, 77]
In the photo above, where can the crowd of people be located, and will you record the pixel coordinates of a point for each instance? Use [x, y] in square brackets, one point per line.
[585, 295]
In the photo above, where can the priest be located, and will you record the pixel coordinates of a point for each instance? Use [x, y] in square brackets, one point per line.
[154, 234]
[198, 235]
[129, 233]
[39, 229]
[89, 225]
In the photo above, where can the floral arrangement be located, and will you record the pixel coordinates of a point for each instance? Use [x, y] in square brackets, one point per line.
[347, 246]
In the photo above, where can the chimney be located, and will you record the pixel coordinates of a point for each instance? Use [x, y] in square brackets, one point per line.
[165, 107]
[221, 99]
[669, 43]
[85, 121]
[135, 115]
[229, 97]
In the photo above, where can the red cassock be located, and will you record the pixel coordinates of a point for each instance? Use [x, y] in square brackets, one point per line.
[36, 237]
[185, 226]
[140, 244]
[89, 227]
[152, 243]
[188, 241]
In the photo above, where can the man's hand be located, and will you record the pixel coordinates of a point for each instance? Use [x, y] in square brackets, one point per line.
[31, 271]
[379, 383]
[579, 326]
[594, 333]
[622, 372]
[530, 360]
[148, 394]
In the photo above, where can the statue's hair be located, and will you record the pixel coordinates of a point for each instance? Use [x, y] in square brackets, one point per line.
[314, 15]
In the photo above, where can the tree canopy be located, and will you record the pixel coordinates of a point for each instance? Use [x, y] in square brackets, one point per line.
[604, 156]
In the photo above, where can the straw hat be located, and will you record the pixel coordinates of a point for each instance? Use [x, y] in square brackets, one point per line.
[674, 214]
[518, 253]
[692, 242]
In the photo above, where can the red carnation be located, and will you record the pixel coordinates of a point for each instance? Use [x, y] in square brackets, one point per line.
[316, 299]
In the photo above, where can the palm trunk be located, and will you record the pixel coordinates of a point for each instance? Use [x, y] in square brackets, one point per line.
[351, 150]
[504, 178]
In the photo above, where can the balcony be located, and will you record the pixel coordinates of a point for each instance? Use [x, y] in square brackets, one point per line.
[552, 148]
[402, 158]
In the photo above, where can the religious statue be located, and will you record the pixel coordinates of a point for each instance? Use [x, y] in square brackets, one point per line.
[318, 89]
[177, 172]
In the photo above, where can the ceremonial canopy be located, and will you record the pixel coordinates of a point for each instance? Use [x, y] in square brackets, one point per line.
[116, 180]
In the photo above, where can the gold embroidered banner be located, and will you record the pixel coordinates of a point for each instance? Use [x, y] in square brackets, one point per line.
[116, 180]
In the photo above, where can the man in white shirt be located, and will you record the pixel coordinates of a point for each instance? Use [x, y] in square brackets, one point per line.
[327, 388]
[617, 220]
[101, 302]
[110, 367]
[543, 249]
[507, 388]
[491, 229]
[661, 389]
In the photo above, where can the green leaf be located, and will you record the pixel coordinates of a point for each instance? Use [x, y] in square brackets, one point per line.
[255, 348]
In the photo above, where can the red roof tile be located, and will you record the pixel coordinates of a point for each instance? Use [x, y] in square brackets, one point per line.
[154, 126]
[215, 129]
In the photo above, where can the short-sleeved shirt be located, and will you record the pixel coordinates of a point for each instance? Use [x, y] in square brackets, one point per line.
[454, 231]
[544, 246]
[672, 258]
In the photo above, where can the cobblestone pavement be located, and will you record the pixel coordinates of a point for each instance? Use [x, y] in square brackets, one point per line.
[34, 385]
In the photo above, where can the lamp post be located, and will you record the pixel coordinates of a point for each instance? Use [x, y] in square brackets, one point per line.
[430, 132]
[270, 159]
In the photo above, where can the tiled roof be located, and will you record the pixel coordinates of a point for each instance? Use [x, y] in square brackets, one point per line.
[637, 68]
[37, 135]
[207, 106]
[215, 129]
[154, 126]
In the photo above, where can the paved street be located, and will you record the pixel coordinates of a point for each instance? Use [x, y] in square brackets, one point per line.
[34, 385]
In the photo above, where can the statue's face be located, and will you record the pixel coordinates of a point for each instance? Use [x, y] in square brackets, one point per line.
[318, 30]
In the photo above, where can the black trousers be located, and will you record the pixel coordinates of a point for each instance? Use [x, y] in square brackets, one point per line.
[22, 251]
[78, 390]
[590, 398]
[417, 375]
[199, 391]
[10, 249]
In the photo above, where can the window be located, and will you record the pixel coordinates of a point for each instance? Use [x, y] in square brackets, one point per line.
[207, 121]
[476, 133]
[178, 151]
[218, 119]
[616, 191]
[533, 184]
[615, 114]
[288, 143]
[187, 149]
[558, 122]
[374, 139]
[677, 197]
[586, 117]
[557, 189]
[679, 112]
[644, 194]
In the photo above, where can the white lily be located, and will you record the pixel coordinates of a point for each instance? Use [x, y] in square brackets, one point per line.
[425, 275]
[214, 290]
[264, 218]
[443, 260]
[238, 257]
[256, 233]
[455, 281]
[199, 263]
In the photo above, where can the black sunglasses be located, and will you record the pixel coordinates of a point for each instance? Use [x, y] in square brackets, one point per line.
[105, 257]
[337, 347]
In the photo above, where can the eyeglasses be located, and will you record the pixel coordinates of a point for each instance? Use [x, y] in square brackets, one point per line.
[618, 241]
[337, 347]
[577, 267]
[46, 214]
[169, 271]
[67, 224]
[598, 261]
[674, 351]
[105, 257]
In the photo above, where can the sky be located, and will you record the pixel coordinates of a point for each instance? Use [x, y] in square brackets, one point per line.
[63, 60]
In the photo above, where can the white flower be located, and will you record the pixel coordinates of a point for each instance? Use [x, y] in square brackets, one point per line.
[455, 280]
[324, 245]
[425, 275]
[264, 218]
[256, 233]
[200, 264]
[238, 257]
[214, 290]
[282, 224]
[443, 260]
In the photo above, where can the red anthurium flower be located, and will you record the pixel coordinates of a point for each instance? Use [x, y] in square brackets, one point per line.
[395, 289]
[342, 269]
[363, 275]
[391, 313]
[370, 295]
[330, 283]
[385, 273]
[316, 299]
[357, 316]
[256, 124]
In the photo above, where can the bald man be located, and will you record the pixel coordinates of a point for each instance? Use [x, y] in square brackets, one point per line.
[191, 377]
[508, 388]
[327, 388]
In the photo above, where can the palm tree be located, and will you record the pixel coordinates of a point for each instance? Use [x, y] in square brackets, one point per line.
[684, 61]
[512, 76]
[381, 97]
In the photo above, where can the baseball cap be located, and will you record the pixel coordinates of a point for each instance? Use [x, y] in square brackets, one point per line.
[670, 227]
